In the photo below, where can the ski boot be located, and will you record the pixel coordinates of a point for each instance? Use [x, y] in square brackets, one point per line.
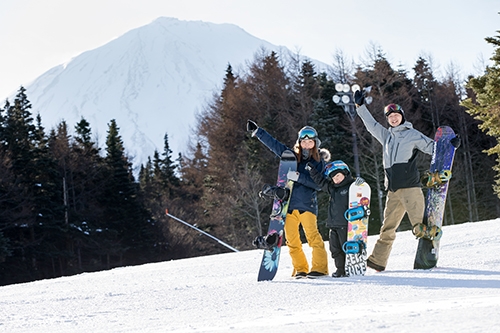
[274, 192]
[267, 242]
[339, 274]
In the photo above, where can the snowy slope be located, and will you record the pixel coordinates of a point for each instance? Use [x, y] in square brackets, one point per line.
[220, 293]
[152, 80]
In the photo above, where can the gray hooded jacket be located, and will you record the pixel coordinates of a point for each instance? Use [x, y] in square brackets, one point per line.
[400, 145]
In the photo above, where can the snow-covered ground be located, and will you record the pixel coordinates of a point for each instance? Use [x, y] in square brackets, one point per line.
[220, 293]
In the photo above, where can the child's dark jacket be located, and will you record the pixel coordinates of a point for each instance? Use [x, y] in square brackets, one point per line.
[339, 197]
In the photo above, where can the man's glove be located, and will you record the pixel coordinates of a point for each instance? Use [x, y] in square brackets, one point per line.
[359, 181]
[359, 97]
[292, 175]
[456, 142]
[251, 126]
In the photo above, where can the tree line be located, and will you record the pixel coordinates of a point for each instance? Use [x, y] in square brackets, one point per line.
[67, 207]
[282, 94]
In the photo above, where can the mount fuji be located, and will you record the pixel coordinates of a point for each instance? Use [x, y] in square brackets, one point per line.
[152, 80]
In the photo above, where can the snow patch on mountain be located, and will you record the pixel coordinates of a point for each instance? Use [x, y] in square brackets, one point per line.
[152, 80]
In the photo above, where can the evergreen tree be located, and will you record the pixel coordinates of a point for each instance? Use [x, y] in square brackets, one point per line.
[426, 84]
[85, 186]
[18, 134]
[126, 228]
[167, 168]
[50, 208]
[484, 105]
[146, 175]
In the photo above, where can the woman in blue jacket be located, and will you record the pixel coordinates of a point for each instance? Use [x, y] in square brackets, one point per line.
[303, 205]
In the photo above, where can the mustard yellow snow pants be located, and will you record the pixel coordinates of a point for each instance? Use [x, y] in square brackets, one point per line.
[405, 200]
[319, 255]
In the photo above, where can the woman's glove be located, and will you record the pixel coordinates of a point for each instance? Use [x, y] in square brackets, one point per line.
[292, 175]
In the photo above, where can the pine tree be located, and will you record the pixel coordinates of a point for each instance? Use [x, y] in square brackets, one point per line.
[18, 133]
[50, 208]
[85, 186]
[34, 209]
[167, 168]
[485, 104]
[126, 228]
[426, 86]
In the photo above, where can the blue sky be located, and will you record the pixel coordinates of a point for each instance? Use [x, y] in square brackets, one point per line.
[37, 35]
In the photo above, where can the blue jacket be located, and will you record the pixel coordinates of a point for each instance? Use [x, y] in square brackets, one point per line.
[304, 197]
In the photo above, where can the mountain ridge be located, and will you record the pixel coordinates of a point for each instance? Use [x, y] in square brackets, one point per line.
[152, 80]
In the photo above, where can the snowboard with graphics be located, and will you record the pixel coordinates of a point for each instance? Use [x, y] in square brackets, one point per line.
[439, 175]
[357, 216]
[271, 257]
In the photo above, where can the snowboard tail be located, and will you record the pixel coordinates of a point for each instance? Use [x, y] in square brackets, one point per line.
[271, 256]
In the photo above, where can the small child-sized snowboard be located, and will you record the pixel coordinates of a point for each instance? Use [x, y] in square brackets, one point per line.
[357, 229]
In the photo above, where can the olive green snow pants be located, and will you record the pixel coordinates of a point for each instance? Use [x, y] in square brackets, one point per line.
[405, 200]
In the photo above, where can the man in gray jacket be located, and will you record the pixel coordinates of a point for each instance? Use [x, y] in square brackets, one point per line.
[400, 143]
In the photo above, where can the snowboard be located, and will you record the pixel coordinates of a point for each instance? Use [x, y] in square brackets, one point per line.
[271, 257]
[357, 216]
[441, 162]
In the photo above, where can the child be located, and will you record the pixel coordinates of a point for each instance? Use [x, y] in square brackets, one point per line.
[336, 184]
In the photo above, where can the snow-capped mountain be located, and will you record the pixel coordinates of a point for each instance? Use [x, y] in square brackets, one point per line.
[152, 80]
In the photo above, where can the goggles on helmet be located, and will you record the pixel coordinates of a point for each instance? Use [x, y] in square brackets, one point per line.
[392, 108]
[307, 133]
[334, 166]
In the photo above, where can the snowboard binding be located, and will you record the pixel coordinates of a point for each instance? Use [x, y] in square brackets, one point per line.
[353, 247]
[433, 233]
[436, 179]
[274, 192]
[269, 241]
[356, 213]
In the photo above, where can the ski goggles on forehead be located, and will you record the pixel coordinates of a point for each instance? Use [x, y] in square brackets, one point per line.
[392, 108]
[307, 133]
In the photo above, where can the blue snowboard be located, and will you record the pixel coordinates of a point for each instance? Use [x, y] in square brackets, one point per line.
[271, 258]
[442, 159]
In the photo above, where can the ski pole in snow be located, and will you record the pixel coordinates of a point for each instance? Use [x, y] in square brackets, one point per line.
[201, 231]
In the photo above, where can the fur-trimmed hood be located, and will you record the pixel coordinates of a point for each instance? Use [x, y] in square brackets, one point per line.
[325, 154]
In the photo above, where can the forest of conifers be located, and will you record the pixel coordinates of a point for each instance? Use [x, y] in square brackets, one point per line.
[68, 207]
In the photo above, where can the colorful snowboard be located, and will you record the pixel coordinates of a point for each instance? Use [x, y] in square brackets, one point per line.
[357, 230]
[442, 159]
[270, 259]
